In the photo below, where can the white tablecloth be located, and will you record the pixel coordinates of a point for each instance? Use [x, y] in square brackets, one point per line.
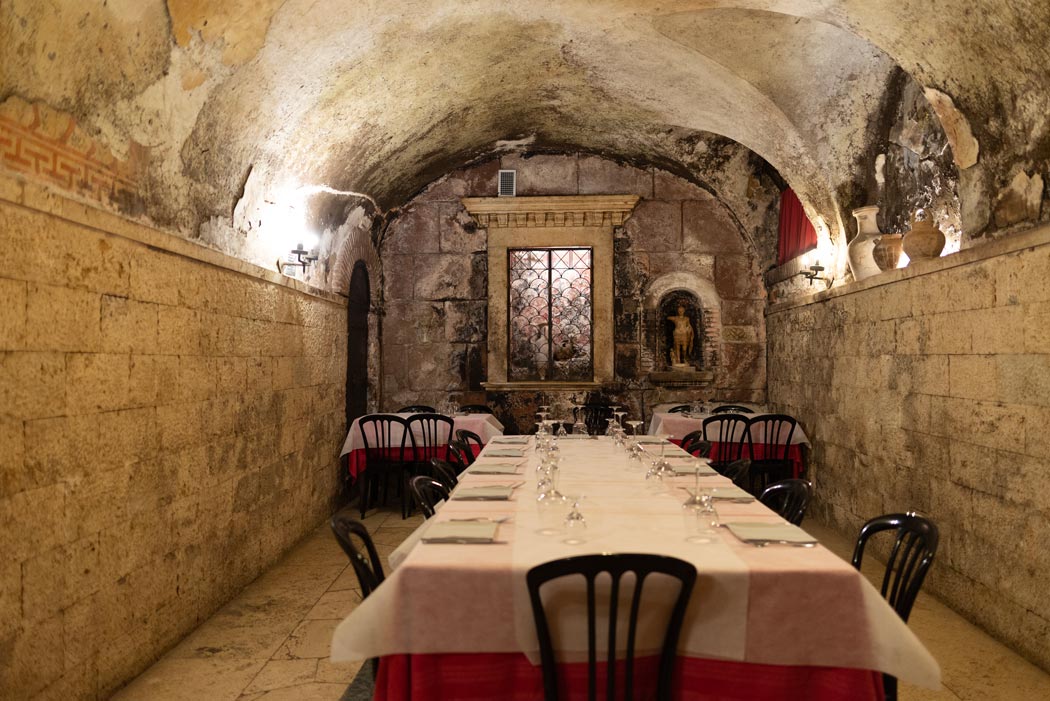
[485, 425]
[776, 605]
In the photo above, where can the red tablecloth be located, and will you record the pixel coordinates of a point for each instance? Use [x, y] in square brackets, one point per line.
[511, 677]
[356, 458]
[794, 454]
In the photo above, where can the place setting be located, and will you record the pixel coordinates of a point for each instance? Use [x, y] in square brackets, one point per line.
[465, 531]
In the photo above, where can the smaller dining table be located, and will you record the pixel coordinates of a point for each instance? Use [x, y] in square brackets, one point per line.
[485, 425]
[678, 425]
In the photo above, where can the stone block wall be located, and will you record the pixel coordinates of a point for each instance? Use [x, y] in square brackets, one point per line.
[435, 280]
[169, 426]
[928, 389]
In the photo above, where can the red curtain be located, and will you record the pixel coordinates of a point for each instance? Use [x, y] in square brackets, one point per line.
[797, 234]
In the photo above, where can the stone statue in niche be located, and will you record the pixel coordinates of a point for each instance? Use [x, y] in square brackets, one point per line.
[682, 338]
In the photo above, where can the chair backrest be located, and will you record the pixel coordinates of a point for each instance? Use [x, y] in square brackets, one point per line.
[430, 434]
[444, 473]
[366, 565]
[680, 409]
[595, 416]
[616, 566]
[695, 443]
[729, 431]
[737, 471]
[731, 409]
[771, 434]
[469, 439]
[427, 492]
[459, 455]
[908, 562]
[385, 436]
[789, 498]
[475, 409]
[416, 409]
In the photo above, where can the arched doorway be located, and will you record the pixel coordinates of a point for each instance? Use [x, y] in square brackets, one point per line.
[357, 343]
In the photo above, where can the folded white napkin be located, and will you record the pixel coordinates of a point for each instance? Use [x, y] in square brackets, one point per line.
[481, 467]
[750, 532]
[504, 453]
[496, 492]
[735, 493]
[513, 440]
[461, 532]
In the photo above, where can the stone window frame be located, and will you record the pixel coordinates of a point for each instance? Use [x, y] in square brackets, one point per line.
[586, 221]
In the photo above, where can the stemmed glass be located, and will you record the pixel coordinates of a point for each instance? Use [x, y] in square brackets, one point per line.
[700, 519]
[660, 467]
[618, 414]
[575, 523]
[611, 430]
[634, 424]
[695, 496]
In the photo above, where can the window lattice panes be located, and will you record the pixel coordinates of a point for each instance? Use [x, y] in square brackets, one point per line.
[550, 315]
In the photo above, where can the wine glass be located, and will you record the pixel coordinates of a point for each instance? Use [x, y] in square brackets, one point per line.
[575, 524]
[634, 424]
[700, 519]
[611, 429]
[695, 496]
[661, 467]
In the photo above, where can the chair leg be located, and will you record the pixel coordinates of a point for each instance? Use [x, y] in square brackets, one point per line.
[366, 485]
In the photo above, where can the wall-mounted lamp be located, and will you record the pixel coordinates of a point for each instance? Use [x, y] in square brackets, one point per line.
[303, 259]
[814, 273]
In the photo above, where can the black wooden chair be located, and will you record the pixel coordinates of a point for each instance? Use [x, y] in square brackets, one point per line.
[680, 409]
[429, 435]
[459, 455]
[444, 472]
[595, 416]
[789, 498]
[475, 409]
[385, 437]
[731, 409]
[737, 471]
[427, 492]
[469, 439]
[769, 440]
[695, 444]
[729, 431]
[906, 567]
[416, 409]
[616, 566]
[367, 566]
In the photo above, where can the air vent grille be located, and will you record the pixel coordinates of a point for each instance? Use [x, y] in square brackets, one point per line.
[507, 183]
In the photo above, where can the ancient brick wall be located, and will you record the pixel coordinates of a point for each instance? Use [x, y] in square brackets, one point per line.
[928, 389]
[435, 280]
[169, 425]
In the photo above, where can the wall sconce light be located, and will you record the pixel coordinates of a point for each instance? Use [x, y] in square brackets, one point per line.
[303, 259]
[814, 273]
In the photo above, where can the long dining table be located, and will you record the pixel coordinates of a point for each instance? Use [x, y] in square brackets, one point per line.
[453, 620]
[486, 426]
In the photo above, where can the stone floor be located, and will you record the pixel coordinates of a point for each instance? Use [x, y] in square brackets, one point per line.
[271, 642]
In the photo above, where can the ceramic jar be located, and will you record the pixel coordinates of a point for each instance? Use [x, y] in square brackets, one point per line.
[861, 262]
[924, 241]
[887, 251]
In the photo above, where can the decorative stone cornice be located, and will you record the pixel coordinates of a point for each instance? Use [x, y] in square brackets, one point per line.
[540, 212]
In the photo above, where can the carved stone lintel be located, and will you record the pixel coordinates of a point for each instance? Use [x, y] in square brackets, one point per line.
[543, 212]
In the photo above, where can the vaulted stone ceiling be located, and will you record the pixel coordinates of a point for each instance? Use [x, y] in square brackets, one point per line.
[221, 102]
